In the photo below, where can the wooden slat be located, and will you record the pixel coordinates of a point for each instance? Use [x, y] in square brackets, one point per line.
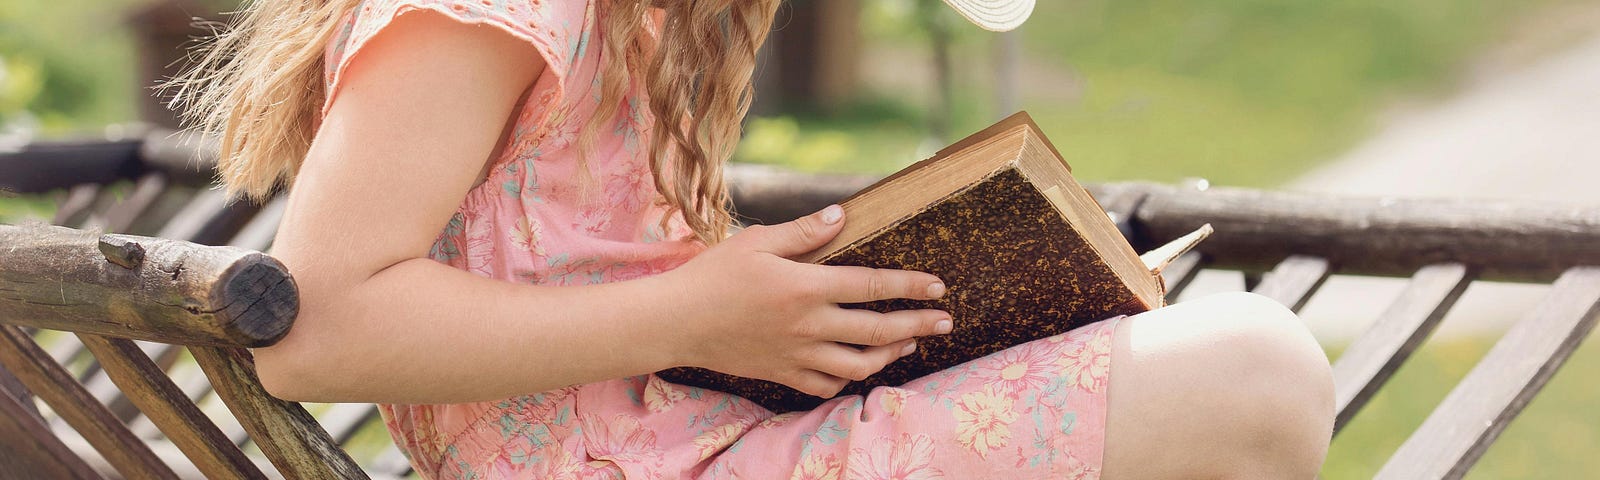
[288, 435]
[342, 420]
[174, 292]
[29, 450]
[74, 208]
[257, 235]
[1181, 272]
[1373, 357]
[170, 409]
[145, 191]
[392, 462]
[74, 404]
[1292, 282]
[42, 166]
[1504, 381]
[13, 386]
[115, 398]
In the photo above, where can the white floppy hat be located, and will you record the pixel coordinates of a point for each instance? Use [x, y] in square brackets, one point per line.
[995, 15]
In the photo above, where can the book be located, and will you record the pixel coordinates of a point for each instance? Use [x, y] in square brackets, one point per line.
[1025, 252]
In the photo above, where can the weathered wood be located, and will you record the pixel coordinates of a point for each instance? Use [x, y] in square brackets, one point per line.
[29, 450]
[258, 233]
[145, 192]
[13, 386]
[1372, 358]
[767, 195]
[286, 433]
[1378, 236]
[1293, 281]
[1479, 408]
[131, 457]
[53, 277]
[169, 408]
[75, 207]
[114, 395]
[43, 166]
[208, 219]
[190, 158]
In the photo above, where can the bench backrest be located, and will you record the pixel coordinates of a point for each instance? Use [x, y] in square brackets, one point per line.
[1287, 245]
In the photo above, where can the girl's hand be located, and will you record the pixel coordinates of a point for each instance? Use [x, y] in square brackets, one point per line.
[758, 314]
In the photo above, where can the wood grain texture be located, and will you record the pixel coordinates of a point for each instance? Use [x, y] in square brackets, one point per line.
[1373, 357]
[1378, 236]
[124, 451]
[1292, 282]
[13, 386]
[1474, 414]
[56, 278]
[146, 385]
[288, 435]
[29, 450]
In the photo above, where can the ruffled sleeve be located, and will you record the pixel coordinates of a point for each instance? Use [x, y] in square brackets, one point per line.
[553, 28]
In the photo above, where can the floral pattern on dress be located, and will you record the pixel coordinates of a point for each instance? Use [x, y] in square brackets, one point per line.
[549, 214]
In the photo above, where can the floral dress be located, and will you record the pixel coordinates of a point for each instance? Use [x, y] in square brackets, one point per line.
[1036, 410]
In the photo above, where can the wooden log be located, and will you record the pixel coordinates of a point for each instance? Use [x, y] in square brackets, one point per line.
[1479, 408]
[766, 195]
[29, 450]
[170, 409]
[1378, 236]
[131, 457]
[43, 166]
[1373, 357]
[1293, 281]
[182, 293]
[288, 435]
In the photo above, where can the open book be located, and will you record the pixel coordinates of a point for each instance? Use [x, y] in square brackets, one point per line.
[1023, 249]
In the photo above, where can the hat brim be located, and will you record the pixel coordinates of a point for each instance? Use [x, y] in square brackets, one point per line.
[994, 15]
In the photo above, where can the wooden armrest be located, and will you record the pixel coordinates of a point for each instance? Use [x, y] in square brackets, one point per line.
[143, 288]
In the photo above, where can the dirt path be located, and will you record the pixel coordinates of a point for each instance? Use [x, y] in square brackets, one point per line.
[1529, 133]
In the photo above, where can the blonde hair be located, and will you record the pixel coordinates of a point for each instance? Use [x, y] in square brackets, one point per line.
[257, 86]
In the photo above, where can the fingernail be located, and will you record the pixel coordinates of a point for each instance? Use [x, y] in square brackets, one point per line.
[936, 290]
[832, 214]
[944, 326]
[910, 347]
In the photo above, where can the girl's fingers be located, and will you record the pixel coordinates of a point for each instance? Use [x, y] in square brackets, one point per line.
[866, 327]
[862, 284]
[857, 364]
[796, 237]
[815, 383]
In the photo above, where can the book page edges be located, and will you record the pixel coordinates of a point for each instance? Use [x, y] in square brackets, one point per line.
[1157, 260]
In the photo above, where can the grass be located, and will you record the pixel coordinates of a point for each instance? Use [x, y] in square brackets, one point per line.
[1243, 92]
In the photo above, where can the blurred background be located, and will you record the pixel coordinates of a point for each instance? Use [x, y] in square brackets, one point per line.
[1477, 98]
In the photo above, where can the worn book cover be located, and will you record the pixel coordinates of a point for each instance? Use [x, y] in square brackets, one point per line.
[1024, 250]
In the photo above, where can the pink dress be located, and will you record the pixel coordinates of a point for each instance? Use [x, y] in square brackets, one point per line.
[1033, 411]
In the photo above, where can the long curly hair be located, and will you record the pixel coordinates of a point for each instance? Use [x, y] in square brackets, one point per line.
[257, 86]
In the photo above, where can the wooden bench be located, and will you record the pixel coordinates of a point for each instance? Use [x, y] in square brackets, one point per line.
[122, 399]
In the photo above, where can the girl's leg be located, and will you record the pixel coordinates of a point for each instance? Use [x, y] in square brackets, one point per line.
[1227, 386]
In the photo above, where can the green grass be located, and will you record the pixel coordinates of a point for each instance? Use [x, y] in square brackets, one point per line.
[1243, 92]
[1557, 436]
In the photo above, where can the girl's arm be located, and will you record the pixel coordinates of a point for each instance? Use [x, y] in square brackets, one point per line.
[417, 116]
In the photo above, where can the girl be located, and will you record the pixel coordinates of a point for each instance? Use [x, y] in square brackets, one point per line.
[506, 214]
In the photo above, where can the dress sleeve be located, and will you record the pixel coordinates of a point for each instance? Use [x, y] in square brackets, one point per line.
[552, 27]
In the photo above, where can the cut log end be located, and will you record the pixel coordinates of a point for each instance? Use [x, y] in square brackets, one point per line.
[259, 300]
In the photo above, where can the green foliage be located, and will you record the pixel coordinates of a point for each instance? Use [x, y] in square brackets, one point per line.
[1555, 437]
[68, 62]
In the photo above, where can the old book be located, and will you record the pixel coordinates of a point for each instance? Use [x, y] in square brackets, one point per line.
[1024, 251]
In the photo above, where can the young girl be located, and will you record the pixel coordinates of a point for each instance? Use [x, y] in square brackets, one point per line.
[505, 214]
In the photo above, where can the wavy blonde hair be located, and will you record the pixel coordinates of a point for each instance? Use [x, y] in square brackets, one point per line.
[257, 86]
